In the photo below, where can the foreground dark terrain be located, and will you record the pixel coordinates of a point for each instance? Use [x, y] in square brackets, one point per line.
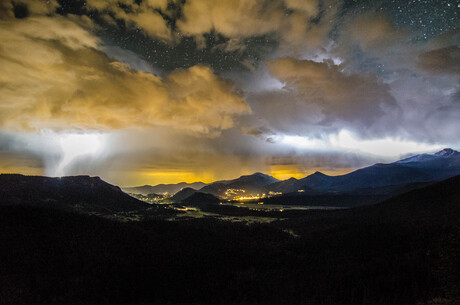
[402, 251]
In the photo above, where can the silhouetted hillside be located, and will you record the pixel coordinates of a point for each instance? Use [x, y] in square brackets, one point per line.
[195, 198]
[344, 199]
[76, 191]
[286, 186]
[216, 188]
[258, 179]
[430, 203]
[199, 199]
[183, 194]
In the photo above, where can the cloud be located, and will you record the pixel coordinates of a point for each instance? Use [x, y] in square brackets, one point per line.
[290, 20]
[234, 19]
[373, 32]
[444, 60]
[6, 10]
[355, 98]
[54, 75]
[24, 8]
[143, 14]
[134, 60]
[231, 45]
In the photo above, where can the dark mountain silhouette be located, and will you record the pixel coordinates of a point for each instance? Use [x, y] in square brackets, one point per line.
[189, 196]
[90, 193]
[258, 179]
[373, 176]
[163, 188]
[216, 189]
[286, 186]
[438, 202]
[199, 199]
[291, 186]
[254, 184]
[354, 198]
[183, 194]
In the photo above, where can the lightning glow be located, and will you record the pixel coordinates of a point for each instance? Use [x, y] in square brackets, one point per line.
[345, 140]
[77, 145]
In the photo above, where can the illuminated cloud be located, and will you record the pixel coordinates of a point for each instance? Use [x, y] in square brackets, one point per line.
[55, 76]
[287, 20]
[142, 15]
[26, 8]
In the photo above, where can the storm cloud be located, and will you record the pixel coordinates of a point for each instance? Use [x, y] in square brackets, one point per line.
[210, 89]
[349, 97]
[55, 76]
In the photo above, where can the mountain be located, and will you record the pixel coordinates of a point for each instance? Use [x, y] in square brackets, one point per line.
[252, 184]
[258, 179]
[441, 165]
[377, 175]
[443, 154]
[183, 194]
[416, 169]
[189, 196]
[344, 199]
[437, 202]
[199, 199]
[83, 192]
[163, 188]
[363, 186]
[287, 186]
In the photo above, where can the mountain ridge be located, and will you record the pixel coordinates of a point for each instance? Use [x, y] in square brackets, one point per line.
[89, 193]
[251, 183]
[163, 188]
[414, 169]
[418, 168]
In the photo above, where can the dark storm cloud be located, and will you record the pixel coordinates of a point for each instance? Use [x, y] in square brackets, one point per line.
[338, 95]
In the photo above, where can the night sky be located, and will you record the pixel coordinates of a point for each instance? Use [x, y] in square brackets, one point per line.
[158, 91]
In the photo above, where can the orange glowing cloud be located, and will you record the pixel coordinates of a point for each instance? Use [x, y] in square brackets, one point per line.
[55, 76]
